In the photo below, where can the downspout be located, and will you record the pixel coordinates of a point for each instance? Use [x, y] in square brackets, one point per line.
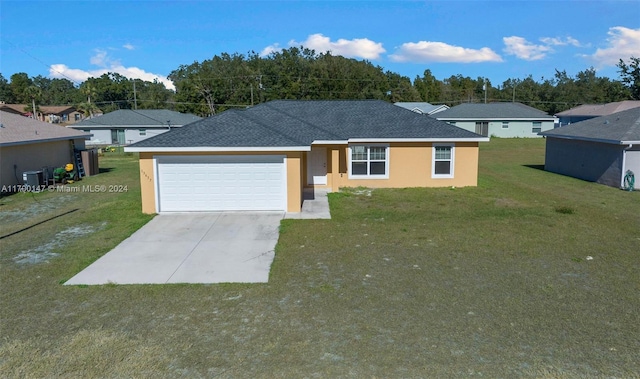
[624, 164]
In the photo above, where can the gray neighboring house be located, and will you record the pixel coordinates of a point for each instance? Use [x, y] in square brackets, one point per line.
[127, 126]
[587, 111]
[600, 149]
[422, 107]
[505, 120]
[30, 145]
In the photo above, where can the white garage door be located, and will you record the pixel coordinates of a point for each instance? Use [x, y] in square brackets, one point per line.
[221, 183]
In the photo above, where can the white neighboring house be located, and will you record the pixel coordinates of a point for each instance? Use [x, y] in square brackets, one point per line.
[504, 120]
[127, 126]
[422, 107]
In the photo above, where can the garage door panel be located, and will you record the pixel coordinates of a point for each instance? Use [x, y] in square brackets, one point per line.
[215, 183]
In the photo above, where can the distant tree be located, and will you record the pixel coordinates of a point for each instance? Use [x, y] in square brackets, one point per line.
[87, 109]
[630, 75]
[33, 93]
[429, 88]
[18, 83]
[6, 94]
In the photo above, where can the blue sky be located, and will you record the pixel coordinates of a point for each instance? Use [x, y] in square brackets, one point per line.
[149, 39]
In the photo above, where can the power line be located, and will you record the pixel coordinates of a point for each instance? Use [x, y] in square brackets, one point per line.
[50, 67]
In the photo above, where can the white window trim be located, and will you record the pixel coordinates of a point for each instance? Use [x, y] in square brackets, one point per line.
[375, 177]
[433, 161]
[533, 127]
[505, 124]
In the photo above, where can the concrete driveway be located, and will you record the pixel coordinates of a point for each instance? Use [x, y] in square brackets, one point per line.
[191, 248]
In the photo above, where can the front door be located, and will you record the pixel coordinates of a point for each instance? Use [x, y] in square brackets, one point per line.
[317, 166]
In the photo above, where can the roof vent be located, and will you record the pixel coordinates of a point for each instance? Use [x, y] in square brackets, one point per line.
[606, 122]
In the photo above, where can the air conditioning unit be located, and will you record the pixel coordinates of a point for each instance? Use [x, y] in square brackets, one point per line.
[32, 178]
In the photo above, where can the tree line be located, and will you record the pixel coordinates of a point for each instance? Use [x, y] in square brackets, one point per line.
[237, 80]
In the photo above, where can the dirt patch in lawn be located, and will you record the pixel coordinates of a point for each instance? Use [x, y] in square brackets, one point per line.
[49, 250]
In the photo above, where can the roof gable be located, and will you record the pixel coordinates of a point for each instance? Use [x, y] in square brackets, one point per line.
[18, 129]
[422, 107]
[492, 111]
[619, 128]
[141, 117]
[288, 123]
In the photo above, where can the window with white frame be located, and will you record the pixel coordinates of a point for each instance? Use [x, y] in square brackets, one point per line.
[369, 162]
[143, 132]
[442, 161]
[505, 124]
[537, 127]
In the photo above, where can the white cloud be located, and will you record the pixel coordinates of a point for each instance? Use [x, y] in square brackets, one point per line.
[427, 51]
[129, 46]
[557, 41]
[270, 49]
[623, 43]
[524, 49]
[106, 64]
[355, 48]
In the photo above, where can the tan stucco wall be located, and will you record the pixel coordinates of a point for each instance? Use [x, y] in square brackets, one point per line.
[294, 177]
[33, 157]
[409, 166]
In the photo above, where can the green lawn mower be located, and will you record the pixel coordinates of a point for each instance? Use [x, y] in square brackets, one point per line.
[66, 174]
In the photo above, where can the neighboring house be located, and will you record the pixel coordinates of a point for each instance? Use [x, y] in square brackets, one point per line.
[505, 120]
[127, 126]
[261, 158]
[64, 114]
[600, 149]
[29, 145]
[422, 108]
[587, 111]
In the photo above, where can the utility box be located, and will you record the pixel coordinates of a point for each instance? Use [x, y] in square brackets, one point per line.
[32, 178]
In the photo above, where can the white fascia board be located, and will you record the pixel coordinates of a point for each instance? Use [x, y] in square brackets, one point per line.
[383, 140]
[204, 149]
[496, 119]
[328, 142]
[601, 140]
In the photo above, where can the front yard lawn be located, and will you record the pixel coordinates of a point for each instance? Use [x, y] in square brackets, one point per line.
[530, 274]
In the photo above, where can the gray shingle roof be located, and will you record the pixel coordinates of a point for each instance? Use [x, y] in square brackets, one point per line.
[288, 123]
[17, 130]
[600, 109]
[138, 118]
[492, 111]
[621, 127]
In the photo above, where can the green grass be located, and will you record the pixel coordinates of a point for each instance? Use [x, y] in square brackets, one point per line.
[530, 274]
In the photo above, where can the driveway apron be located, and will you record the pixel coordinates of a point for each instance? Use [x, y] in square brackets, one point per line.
[223, 247]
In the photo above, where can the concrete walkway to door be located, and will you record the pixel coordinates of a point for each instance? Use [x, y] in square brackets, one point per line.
[191, 248]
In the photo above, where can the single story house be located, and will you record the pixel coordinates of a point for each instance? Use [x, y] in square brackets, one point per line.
[587, 111]
[29, 145]
[127, 126]
[600, 149]
[422, 107]
[504, 120]
[62, 114]
[261, 158]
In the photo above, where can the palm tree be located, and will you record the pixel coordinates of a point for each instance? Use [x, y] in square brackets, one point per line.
[88, 109]
[89, 90]
[33, 93]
